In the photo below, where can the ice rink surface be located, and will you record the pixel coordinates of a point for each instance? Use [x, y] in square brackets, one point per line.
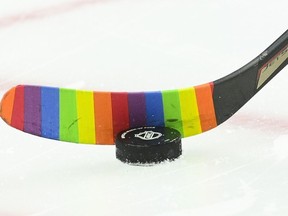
[239, 168]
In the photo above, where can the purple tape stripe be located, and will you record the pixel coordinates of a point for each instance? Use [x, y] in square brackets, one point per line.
[137, 109]
[32, 110]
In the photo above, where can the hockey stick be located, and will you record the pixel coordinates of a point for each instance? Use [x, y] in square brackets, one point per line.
[96, 117]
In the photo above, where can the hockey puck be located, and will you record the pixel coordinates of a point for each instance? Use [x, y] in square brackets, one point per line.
[148, 145]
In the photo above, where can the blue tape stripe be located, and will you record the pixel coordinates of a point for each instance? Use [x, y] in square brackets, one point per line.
[50, 112]
[154, 109]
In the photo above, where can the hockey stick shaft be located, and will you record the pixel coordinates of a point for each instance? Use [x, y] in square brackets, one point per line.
[96, 117]
[233, 91]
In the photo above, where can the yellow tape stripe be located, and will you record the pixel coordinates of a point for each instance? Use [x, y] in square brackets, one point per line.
[86, 120]
[189, 112]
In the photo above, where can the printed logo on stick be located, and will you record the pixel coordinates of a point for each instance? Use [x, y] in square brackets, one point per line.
[269, 68]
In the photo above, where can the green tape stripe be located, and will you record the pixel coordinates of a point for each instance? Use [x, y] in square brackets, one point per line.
[172, 110]
[68, 116]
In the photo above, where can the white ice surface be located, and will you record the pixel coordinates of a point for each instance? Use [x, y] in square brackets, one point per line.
[239, 168]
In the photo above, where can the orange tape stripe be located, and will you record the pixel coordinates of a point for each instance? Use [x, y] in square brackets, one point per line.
[6, 106]
[103, 117]
[206, 106]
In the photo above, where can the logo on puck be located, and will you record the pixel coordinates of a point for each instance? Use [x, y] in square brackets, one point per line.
[148, 135]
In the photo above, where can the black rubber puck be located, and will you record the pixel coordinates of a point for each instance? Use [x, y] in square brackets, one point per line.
[148, 145]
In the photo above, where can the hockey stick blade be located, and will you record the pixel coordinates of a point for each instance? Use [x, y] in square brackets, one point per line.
[96, 117]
